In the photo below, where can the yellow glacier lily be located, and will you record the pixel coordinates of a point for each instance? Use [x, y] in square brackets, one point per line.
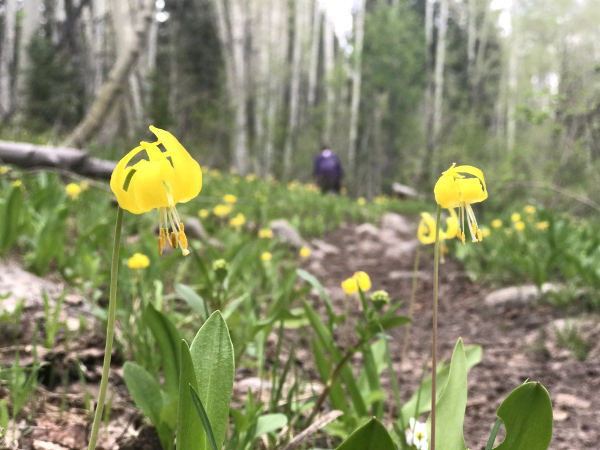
[426, 229]
[453, 190]
[161, 181]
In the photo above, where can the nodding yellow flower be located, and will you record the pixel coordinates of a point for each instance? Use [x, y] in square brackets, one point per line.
[266, 257]
[361, 201]
[542, 225]
[3, 170]
[215, 173]
[305, 252]
[520, 225]
[250, 177]
[84, 185]
[497, 223]
[292, 185]
[73, 191]
[230, 198]
[486, 232]
[163, 180]
[426, 229]
[138, 261]
[237, 221]
[222, 210]
[515, 217]
[203, 213]
[16, 183]
[453, 190]
[359, 279]
[265, 233]
[529, 209]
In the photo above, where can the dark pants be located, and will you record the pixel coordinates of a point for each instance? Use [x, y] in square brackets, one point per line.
[329, 184]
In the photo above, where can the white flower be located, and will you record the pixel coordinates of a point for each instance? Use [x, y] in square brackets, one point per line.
[417, 435]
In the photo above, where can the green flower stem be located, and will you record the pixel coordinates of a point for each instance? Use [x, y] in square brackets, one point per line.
[110, 331]
[411, 306]
[436, 263]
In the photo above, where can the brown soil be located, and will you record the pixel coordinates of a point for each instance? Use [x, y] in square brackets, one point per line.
[514, 349]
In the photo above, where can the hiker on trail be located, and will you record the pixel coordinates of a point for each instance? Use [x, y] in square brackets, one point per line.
[328, 172]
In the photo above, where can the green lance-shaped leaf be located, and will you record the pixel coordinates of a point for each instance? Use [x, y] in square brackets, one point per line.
[10, 223]
[203, 417]
[450, 408]
[212, 355]
[527, 417]
[190, 433]
[169, 344]
[371, 436]
[144, 390]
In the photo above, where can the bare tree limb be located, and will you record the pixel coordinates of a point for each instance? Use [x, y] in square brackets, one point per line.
[299, 439]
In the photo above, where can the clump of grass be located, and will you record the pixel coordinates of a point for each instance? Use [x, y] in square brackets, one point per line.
[570, 338]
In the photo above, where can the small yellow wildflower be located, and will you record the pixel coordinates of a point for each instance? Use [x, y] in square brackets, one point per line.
[138, 261]
[203, 213]
[73, 191]
[237, 221]
[266, 257]
[233, 171]
[230, 198]
[16, 183]
[380, 200]
[222, 210]
[486, 231]
[163, 180]
[453, 190]
[215, 173]
[250, 177]
[543, 225]
[265, 233]
[305, 252]
[359, 279]
[361, 201]
[529, 209]
[293, 185]
[427, 228]
[84, 185]
[520, 225]
[350, 286]
[343, 191]
[3, 170]
[497, 223]
[515, 217]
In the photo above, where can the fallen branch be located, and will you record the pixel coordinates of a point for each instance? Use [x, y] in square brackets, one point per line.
[329, 417]
[64, 158]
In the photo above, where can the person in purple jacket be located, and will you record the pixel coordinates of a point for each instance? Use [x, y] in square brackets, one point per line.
[328, 173]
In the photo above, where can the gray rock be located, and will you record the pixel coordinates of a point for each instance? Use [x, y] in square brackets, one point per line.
[287, 233]
[194, 229]
[569, 401]
[401, 249]
[367, 229]
[368, 247]
[20, 284]
[326, 248]
[389, 238]
[398, 223]
[408, 275]
[518, 295]
[403, 191]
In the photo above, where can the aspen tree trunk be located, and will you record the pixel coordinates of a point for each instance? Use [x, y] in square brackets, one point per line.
[240, 156]
[511, 119]
[314, 54]
[152, 45]
[7, 61]
[428, 101]
[471, 41]
[260, 70]
[356, 79]
[329, 63]
[99, 20]
[294, 90]
[30, 25]
[117, 78]
[480, 54]
[440, 59]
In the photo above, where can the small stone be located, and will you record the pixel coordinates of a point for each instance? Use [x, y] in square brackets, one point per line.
[398, 223]
[367, 229]
[569, 401]
[287, 233]
[194, 229]
[326, 248]
[559, 415]
[402, 249]
[518, 295]
[407, 275]
[389, 237]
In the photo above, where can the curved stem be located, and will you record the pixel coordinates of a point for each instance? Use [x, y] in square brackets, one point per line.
[110, 331]
[436, 263]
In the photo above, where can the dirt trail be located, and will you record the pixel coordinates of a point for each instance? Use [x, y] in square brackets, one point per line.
[514, 348]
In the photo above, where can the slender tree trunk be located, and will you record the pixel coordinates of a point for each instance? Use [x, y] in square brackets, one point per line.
[440, 60]
[356, 80]
[511, 107]
[7, 61]
[117, 78]
[471, 41]
[30, 25]
[240, 156]
[99, 21]
[294, 90]
[152, 45]
[314, 54]
[329, 63]
[259, 63]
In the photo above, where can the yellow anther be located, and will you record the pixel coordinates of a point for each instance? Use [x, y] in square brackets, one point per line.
[463, 238]
[459, 233]
[160, 246]
[162, 238]
[173, 240]
[183, 239]
[181, 226]
[474, 228]
[479, 235]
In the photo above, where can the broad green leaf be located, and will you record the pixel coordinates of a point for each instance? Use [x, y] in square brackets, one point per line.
[144, 390]
[270, 423]
[451, 406]
[169, 344]
[10, 221]
[527, 417]
[203, 417]
[190, 433]
[241, 423]
[423, 394]
[212, 354]
[193, 300]
[372, 436]
[169, 414]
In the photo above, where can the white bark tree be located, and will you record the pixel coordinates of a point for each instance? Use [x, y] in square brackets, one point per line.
[329, 65]
[356, 80]
[30, 25]
[99, 21]
[7, 61]
[511, 120]
[440, 62]
[314, 53]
